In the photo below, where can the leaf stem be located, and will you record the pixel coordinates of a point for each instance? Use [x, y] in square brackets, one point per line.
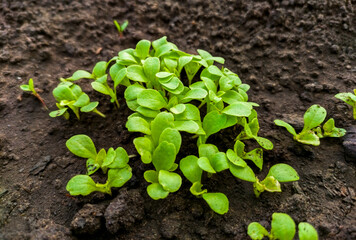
[99, 113]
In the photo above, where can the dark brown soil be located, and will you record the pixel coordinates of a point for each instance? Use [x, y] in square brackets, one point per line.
[293, 53]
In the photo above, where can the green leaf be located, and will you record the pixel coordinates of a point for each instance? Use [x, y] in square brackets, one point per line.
[239, 109]
[256, 156]
[151, 99]
[100, 88]
[264, 142]
[204, 163]
[283, 226]
[187, 126]
[143, 49]
[136, 73]
[256, 231]
[81, 185]
[171, 135]
[235, 159]
[100, 157]
[177, 109]
[239, 148]
[163, 49]
[25, 88]
[82, 101]
[196, 190]
[110, 156]
[191, 113]
[244, 173]
[308, 137]
[133, 91]
[219, 162]
[146, 112]
[156, 191]
[118, 177]
[117, 74]
[190, 168]
[218, 202]
[164, 156]
[82, 146]
[331, 131]
[313, 117]
[57, 113]
[165, 76]
[289, 128]
[271, 184]
[144, 147]
[79, 75]
[197, 93]
[307, 232]
[99, 69]
[346, 97]
[231, 97]
[90, 107]
[121, 159]
[92, 166]
[63, 93]
[151, 67]
[170, 181]
[171, 84]
[124, 25]
[151, 176]
[207, 150]
[182, 61]
[127, 58]
[138, 124]
[162, 121]
[213, 122]
[283, 173]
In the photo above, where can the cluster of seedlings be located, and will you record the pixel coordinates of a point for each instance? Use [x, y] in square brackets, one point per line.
[170, 91]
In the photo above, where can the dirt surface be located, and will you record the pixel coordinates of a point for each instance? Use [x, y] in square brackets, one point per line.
[293, 53]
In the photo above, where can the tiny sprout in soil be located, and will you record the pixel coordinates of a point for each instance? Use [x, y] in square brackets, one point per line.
[121, 27]
[312, 131]
[31, 88]
[349, 98]
[282, 228]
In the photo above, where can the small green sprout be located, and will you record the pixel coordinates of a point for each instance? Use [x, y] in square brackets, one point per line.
[312, 130]
[121, 28]
[71, 96]
[113, 162]
[31, 88]
[349, 98]
[282, 228]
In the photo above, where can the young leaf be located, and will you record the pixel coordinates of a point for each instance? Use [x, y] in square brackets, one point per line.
[283, 226]
[100, 88]
[82, 146]
[313, 117]
[25, 88]
[197, 93]
[57, 113]
[207, 150]
[121, 158]
[161, 122]
[117, 73]
[79, 75]
[146, 112]
[331, 131]
[143, 48]
[170, 181]
[196, 189]
[151, 176]
[244, 173]
[144, 147]
[151, 67]
[92, 166]
[307, 232]
[156, 191]
[177, 109]
[138, 124]
[218, 202]
[289, 128]
[264, 142]
[283, 173]
[136, 73]
[256, 231]
[213, 122]
[171, 135]
[151, 99]
[81, 185]
[190, 168]
[90, 107]
[235, 159]
[219, 162]
[256, 156]
[82, 101]
[239, 109]
[110, 156]
[271, 184]
[189, 126]
[164, 156]
[308, 137]
[118, 177]
[204, 163]
[99, 69]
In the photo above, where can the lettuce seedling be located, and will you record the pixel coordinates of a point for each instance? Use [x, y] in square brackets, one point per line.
[121, 28]
[312, 132]
[31, 88]
[71, 96]
[349, 98]
[159, 146]
[113, 162]
[283, 228]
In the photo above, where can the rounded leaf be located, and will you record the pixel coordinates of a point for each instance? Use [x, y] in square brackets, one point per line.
[138, 124]
[283, 173]
[218, 202]
[170, 181]
[239, 109]
[256, 231]
[82, 146]
[204, 163]
[151, 99]
[244, 173]
[118, 177]
[190, 168]
[307, 232]
[90, 107]
[156, 191]
[313, 117]
[81, 185]
[164, 156]
[283, 226]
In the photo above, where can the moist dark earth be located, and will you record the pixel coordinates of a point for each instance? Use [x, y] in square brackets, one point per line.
[293, 53]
